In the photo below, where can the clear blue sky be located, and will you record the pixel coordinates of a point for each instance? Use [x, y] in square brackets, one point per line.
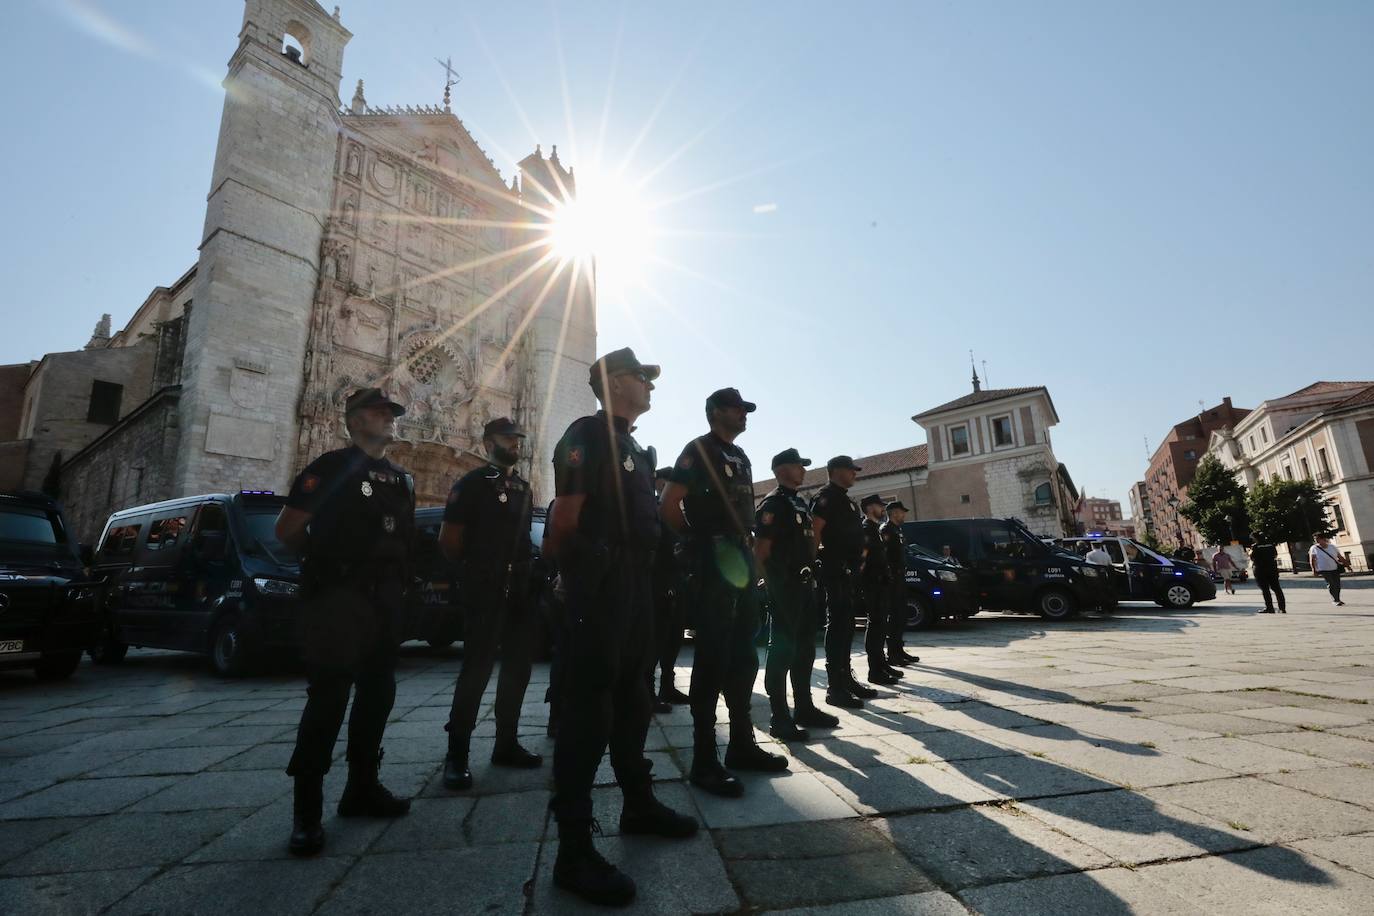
[1138, 205]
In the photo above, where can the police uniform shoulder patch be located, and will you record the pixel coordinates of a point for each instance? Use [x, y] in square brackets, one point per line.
[766, 518]
[685, 462]
[309, 483]
[574, 456]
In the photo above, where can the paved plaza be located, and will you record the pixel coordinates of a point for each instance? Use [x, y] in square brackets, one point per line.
[1210, 761]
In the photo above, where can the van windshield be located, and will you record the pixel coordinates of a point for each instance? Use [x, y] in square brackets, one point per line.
[262, 534]
[32, 527]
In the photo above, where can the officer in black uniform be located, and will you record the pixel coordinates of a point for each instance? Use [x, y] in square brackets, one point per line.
[710, 503]
[785, 552]
[838, 528]
[603, 532]
[351, 516]
[670, 610]
[875, 580]
[894, 548]
[486, 532]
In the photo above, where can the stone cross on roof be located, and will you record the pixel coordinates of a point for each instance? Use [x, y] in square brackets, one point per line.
[451, 78]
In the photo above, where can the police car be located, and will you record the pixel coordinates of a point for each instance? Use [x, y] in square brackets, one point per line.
[1142, 574]
[936, 589]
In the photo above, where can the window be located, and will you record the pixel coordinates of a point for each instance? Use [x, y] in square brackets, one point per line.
[1338, 517]
[1288, 471]
[958, 440]
[1264, 433]
[965, 499]
[1001, 542]
[120, 541]
[31, 526]
[1001, 432]
[1306, 471]
[1252, 443]
[165, 532]
[1190, 454]
[104, 406]
[1042, 494]
[1321, 462]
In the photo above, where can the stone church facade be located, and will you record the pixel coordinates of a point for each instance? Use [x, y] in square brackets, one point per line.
[346, 247]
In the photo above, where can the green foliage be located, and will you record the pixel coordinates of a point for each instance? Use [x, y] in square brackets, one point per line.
[1216, 502]
[1148, 539]
[1288, 511]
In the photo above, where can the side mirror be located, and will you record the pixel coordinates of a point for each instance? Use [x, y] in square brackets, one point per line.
[210, 545]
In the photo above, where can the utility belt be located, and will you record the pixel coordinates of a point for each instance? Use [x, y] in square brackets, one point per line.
[369, 577]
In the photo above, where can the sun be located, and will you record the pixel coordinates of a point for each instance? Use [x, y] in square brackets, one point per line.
[608, 224]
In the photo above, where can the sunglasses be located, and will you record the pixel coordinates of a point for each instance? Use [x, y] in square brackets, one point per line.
[639, 374]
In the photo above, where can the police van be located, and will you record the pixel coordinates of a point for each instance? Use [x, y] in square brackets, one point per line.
[1013, 570]
[201, 574]
[1141, 574]
[48, 608]
[936, 589]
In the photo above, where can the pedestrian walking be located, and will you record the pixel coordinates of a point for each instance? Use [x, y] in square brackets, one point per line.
[602, 532]
[875, 582]
[709, 502]
[837, 525]
[1327, 562]
[1223, 565]
[894, 547]
[1264, 563]
[486, 535]
[785, 553]
[351, 517]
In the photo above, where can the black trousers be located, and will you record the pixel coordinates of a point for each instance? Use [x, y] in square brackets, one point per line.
[606, 660]
[791, 642]
[495, 625]
[670, 620]
[1333, 583]
[725, 661]
[896, 617]
[839, 628]
[1269, 581]
[374, 678]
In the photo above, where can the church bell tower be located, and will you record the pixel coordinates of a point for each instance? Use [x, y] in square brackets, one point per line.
[267, 208]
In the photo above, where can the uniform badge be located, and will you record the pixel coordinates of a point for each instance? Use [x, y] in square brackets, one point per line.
[729, 471]
[574, 457]
[367, 488]
[389, 523]
[629, 463]
[501, 498]
[309, 483]
[766, 518]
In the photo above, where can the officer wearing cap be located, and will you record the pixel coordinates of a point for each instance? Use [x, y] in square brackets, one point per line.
[486, 533]
[670, 610]
[602, 532]
[710, 502]
[838, 528]
[351, 517]
[875, 581]
[894, 549]
[785, 552]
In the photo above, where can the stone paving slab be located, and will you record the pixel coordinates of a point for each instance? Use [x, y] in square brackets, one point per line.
[74, 893]
[1271, 813]
[1275, 880]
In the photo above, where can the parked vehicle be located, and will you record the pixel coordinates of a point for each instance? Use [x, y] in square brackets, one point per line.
[1142, 574]
[201, 574]
[49, 608]
[1015, 570]
[936, 589]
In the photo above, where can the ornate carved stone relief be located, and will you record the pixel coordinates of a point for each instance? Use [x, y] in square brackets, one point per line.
[363, 325]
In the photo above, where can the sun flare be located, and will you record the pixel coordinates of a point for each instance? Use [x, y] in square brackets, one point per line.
[608, 224]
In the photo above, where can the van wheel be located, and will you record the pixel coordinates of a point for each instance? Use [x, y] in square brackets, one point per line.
[1177, 596]
[56, 666]
[230, 653]
[918, 614]
[107, 650]
[1056, 604]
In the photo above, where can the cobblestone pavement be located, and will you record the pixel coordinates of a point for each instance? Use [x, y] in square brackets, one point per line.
[1211, 761]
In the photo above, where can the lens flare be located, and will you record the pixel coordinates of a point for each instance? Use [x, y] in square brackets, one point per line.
[607, 224]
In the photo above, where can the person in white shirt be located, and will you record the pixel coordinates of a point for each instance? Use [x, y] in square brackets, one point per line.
[1097, 556]
[1327, 562]
[1223, 565]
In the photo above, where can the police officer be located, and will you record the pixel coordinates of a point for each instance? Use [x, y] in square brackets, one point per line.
[351, 516]
[670, 610]
[710, 502]
[486, 532]
[894, 548]
[785, 552]
[876, 582]
[603, 532]
[838, 528]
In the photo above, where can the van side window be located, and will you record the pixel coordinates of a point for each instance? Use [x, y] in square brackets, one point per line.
[211, 517]
[1113, 549]
[120, 541]
[166, 532]
[1001, 542]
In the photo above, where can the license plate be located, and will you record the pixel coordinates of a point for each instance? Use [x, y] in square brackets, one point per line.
[11, 645]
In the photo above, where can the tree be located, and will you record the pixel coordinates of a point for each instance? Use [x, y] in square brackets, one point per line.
[1216, 502]
[1288, 511]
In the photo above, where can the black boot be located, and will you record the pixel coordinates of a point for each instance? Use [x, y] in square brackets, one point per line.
[365, 796]
[881, 676]
[811, 717]
[784, 728]
[900, 656]
[457, 775]
[838, 696]
[580, 869]
[509, 753]
[742, 753]
[707, 773]
[307, 833]
[859, 690]
[667, 693]
[647, 815]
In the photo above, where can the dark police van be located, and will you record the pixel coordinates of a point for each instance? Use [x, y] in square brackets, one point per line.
[936, 589]
[434, 610]
[202, 574]
[1013, 570]
[49, 610]
[1141, 574]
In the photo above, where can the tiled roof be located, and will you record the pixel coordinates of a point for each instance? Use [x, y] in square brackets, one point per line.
[980, 397]
[1358, 399]
[1328, 388]
[914, 458]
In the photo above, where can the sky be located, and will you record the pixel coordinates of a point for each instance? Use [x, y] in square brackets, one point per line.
[1140, 206]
